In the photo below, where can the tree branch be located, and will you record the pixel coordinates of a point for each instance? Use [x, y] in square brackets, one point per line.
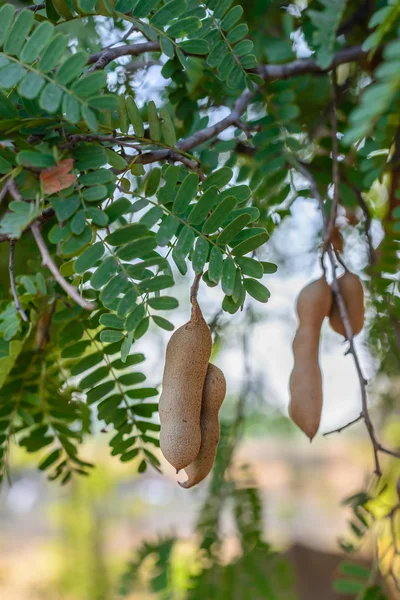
[303, 66]
[33, 7]
[12, 283]
[48, 262]
[335, 164]
[208, 133]
[340, 429]
[104, 57]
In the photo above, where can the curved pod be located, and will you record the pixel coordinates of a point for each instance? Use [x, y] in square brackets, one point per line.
[213, 396]
[353, 295]
[186, 362]
[313, 305]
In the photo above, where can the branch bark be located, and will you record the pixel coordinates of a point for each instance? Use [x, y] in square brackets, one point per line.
[48, 262]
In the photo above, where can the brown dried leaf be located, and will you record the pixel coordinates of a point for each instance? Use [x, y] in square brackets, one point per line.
[58, 178]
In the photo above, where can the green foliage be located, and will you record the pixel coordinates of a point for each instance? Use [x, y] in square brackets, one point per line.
[326, 23]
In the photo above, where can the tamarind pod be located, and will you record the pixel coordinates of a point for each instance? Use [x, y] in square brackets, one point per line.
[313, 305]
[213, 396]
[353, 296]
[186, 363]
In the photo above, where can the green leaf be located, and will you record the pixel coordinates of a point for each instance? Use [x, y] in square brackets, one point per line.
[100, 391]
[347, 586]
[155, 284]
[215, 265]
[206, 203]
[116, 286]
[228, 276]
[110, 336]
[134, 318]
[231, 230]
[134, 116]
[168, 12]
[137, 249]
[144, 7]
[250, 266]
[250, 244]
[184, 243]
[154, 122]
[231, 18]
[237, 33]
[115, 160]
[89, 257]
[78, 222]
[126, 234]
[268, 267]
[142, 393]
[257, 290]
[72, 67]
[354, 570]
[94, 377]
[7, 108]
[167, 126]
[221, 7]
[163, 303]
[186, 193]
[163, 323]
[220, 214]
[153, 181]
[167, 230]
[117, 209]
[103, 273]
[122, 114]
[75, 243]
[52, 54]
[50, 459]
[37, 42]
[50, 98]
[31, 85]
[195, 46]
[87, 362]
[18, 33]
[7, 12]
[166, 192]
[127, 303]
[39, 160]
[99, 217]
[200, 254]
[219, 178]
[132, 378]
[142, 328]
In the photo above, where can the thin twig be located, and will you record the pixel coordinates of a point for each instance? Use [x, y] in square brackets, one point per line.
[269, 72]
[359, 418]
[17, 303]
[33, 7]
[48, 262]
[4, 190]
[335, 165]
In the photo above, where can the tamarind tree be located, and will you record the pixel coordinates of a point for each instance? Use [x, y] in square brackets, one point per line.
[104, 197]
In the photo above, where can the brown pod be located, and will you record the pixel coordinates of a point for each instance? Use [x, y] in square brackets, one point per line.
[213, 396]
[353, 295]
[186, 362]
[313, 305]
